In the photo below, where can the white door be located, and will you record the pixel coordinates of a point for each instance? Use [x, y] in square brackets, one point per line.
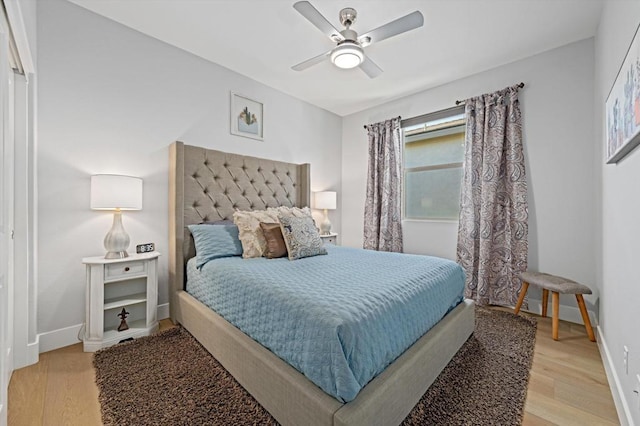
[6, 220]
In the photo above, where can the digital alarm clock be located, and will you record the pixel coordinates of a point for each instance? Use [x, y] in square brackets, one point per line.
[145, 248]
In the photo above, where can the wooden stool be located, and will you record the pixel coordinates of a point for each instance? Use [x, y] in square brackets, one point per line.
[556, 285]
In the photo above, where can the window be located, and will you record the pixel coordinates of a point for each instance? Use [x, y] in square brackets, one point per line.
[433, 154]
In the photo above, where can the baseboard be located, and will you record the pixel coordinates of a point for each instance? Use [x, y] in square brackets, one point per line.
[567, 313]
[62, 337]
[624, 413]
[33, 351]
[163, 311]
[28, 356]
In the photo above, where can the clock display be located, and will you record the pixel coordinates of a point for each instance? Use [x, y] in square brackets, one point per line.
[145, 248]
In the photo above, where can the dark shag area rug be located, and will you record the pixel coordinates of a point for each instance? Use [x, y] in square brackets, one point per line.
[170, 379]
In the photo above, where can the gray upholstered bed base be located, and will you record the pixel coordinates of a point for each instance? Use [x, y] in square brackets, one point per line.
[294, 400]
[287, 394]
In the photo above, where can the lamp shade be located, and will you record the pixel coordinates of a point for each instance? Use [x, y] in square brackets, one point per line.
[325, 200]
[112, 192]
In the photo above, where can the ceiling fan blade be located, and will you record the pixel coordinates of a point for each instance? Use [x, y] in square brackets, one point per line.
[399, 26]
[311, 13]
[370, 68]
[311, 62]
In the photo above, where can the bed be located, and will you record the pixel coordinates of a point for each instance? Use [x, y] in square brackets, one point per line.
[207, 185]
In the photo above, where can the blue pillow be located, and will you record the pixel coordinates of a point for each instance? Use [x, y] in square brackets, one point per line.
[213, 242]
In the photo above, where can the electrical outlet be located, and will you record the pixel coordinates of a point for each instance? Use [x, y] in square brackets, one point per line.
[626, 359]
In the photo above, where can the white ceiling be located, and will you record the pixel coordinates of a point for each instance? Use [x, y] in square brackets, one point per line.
[262, 39]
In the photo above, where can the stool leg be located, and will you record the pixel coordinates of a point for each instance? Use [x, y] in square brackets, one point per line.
[555, 297]
[523, 292]
[545, 301]
[585, 317]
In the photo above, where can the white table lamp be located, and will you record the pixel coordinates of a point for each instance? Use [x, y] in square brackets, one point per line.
[325, 200]
[116, 192]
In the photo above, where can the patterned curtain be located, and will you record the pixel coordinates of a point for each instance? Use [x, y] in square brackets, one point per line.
[382, 214]
[493, 229]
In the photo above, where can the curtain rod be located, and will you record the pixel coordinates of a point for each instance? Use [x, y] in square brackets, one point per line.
[520, 85]
[365, 126]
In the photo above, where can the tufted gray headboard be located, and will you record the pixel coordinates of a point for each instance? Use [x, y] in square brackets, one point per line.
[208, 185]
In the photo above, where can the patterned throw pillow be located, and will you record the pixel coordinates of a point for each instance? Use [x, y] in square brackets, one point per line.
[301, 237]
[214, 242]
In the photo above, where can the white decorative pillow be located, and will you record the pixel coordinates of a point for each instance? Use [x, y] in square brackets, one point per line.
[250, 233]
[290, 211]
[301, 237]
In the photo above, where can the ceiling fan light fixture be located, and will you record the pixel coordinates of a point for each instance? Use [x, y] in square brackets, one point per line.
[347, 55]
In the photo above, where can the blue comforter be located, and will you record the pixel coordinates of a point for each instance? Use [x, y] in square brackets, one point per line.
[339, 319]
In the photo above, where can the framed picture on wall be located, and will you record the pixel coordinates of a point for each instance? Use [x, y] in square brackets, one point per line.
[247, 117]
[623, 107]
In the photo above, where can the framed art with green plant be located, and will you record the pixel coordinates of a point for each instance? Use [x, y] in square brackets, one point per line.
[247, 117]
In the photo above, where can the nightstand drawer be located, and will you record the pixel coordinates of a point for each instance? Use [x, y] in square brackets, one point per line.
[124, 270]
[330, 239]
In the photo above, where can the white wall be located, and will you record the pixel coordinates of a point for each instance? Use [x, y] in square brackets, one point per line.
[557, 106]
[620, 227]
[111, 100]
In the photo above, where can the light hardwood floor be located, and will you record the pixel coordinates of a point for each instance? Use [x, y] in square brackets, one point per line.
[568, 385]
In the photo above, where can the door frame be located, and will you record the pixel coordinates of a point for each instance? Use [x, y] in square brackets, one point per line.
[6, 218]
[26, 343]
[22, 299]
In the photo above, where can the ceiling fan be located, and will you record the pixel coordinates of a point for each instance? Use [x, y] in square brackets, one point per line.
[349, 52]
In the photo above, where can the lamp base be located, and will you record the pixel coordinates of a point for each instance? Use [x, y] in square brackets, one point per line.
[325, 225]
[117, 240]
[116, 255]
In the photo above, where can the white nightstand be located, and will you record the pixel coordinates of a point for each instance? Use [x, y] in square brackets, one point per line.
[330, 239]
[113, 284]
